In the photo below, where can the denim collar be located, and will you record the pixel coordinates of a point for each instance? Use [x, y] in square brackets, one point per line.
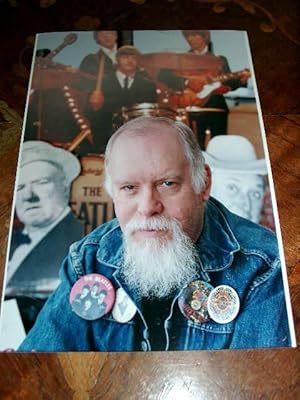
[216, 245]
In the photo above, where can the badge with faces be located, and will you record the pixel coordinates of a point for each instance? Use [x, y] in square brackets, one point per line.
[193, 301]
[124, 309]
[92, 296]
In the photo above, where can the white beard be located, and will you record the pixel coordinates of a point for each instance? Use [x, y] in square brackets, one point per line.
[158, 266]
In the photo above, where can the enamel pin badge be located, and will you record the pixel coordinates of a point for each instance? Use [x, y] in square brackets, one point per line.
[92, 296]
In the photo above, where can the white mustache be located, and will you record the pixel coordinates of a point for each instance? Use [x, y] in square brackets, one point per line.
[153, 223]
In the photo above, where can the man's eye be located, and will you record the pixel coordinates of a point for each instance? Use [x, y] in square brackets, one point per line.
[232, 188]
[255, 194]
[20, 187]
[42, 181]
[168, 183]
[127, 188]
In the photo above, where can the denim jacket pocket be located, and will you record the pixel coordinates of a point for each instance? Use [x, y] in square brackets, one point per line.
[110, 335]
[208, 335]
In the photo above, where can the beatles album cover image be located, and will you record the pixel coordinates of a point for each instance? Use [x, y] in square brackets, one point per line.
[83, 86]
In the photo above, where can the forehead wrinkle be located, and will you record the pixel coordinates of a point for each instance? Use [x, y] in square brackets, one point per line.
[152, 166]
[147, 134]
[53, 172]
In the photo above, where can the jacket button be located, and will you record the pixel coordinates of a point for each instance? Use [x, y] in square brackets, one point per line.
[144, 345]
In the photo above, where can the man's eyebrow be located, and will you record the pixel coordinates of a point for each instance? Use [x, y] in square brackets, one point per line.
[124, 182]
[164, 176]
[240, 180]
[235, 179]
[36, 180]
[170, 176]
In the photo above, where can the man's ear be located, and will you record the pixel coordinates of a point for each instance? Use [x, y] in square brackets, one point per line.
[207, 185]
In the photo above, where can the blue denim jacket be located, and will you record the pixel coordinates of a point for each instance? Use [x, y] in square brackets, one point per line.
[233, 251]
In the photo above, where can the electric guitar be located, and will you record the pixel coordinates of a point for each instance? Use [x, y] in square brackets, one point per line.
[199, 89]
[216, 82]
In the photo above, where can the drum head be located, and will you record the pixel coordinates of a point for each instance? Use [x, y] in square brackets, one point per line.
[147, 109]
[196, 109]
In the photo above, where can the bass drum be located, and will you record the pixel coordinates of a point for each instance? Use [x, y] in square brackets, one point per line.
[89, 200]
[143, 109]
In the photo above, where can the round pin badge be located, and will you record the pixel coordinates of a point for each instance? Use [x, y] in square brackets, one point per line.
[193, 301]
[223, 304]
[124, 309]
[92, 296]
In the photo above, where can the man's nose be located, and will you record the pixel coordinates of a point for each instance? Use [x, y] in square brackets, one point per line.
[244, 202]
[29, 194]
[149, 203]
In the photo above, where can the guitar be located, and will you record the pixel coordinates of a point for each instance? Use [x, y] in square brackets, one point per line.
[200, 88]
[216, 82]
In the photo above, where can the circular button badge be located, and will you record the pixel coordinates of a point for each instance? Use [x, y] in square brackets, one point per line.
[223, 304]
[92, 296]
[193, 301]
[124, 309]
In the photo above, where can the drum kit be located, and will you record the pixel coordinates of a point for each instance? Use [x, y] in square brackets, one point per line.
[88, 199]
[48, 74]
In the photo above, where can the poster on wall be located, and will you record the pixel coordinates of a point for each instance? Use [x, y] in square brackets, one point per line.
[165, 237]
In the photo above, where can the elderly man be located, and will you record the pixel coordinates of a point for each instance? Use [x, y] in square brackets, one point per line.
[238, 176]
[197, 276]
[48, 226]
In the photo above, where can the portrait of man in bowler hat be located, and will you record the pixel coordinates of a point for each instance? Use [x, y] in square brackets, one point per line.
[46, 225]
